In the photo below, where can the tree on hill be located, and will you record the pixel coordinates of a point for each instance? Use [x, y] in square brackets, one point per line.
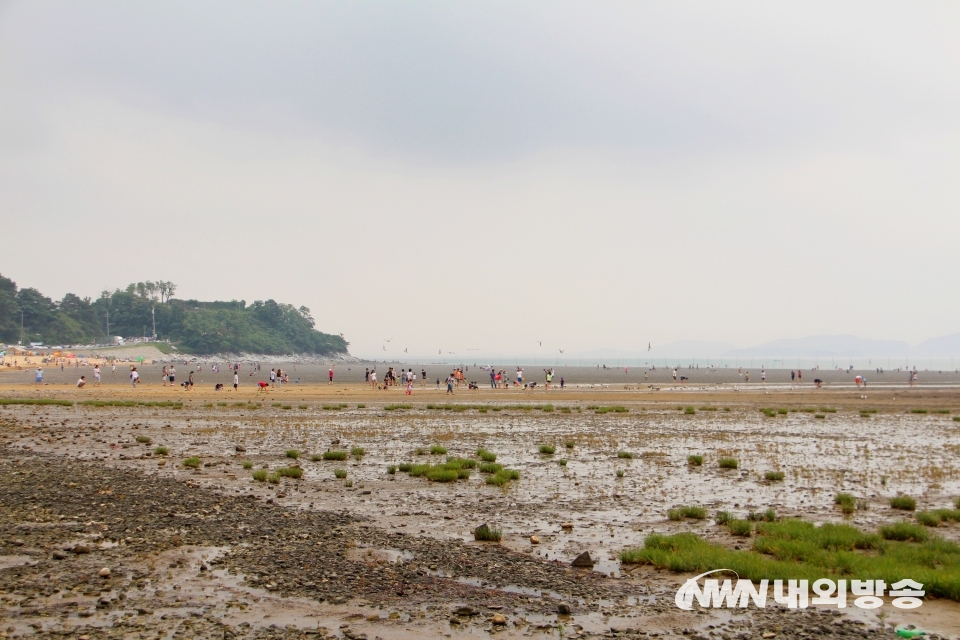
[196, 326]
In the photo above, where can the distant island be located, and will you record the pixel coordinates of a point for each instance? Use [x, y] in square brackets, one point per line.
[193, 326]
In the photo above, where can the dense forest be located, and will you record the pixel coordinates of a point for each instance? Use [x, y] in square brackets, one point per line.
[198, 327]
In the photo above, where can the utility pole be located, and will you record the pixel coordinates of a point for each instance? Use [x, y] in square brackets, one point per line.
[153, 315]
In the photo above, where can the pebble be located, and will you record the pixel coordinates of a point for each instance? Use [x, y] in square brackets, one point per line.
[583, 560]
[499, 620]
[105, 572]
[534, 540]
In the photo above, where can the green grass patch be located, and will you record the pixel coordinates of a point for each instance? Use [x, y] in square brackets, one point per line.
[740, 528]
[405, 467]
[827, 410]
[570, 444]
[128, 403]
[291, 472]
[357, 452]
[728, 463]
[333, 407]
[486, 456]
[391, 469]
[161, 451]
[293, 454]
[340, 473]
[847, 502]
[398, 407]
[695, 460]
[626, 455]
[907, 503]
[905, 532]
[437, 450]
[798, 550]
[694, 512]
[562, 462]
[490, 467]
[247, 464]
[609, 409]
[192, 462]
[334, 455]
[918, 411]
[260, 475]
[547, 449]
[502, 477]
[774, 476]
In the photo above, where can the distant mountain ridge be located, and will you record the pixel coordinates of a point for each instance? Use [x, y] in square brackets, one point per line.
[819, 346]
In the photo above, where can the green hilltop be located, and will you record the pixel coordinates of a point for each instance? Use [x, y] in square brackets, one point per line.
[195, 326]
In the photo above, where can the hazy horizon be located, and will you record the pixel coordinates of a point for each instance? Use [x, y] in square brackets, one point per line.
[494, 176]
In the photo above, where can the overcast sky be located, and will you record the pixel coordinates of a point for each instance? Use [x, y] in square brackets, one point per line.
[457, 175]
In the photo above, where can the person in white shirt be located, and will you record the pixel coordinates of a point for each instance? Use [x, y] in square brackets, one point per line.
[236, 381]
[96, 375]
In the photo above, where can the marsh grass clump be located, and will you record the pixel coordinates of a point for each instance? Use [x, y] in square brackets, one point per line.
[437, 450]
[782, 411]
[161, 451]
[276, 405]
[293, 454]
[827, 410]
[192, 462]
[398, 407]
[774, 476]
[486, 456]
[904, 532]
[340, 474]
[391, 469]
[819, 416]
[247, 464]
[693, 512]
[770, 413]
[502, 477]
[689, 411]
[439, 474]
[723, 517]
[333, 407]
[928, 518]
[461, 463]
[918, 411]
[906, 503]
[769, 515]
[348, 483]
[302, 406]
[602, 410]
[740, 528]
[626, 455]
[286, 407]
[570, 444]
[490, 467]
[361, 406]
[260, 475]
[357, 452]
[291, 472]
[708, 408]
[547, 449]
[420, 451]
[695, 460]
[144, 440]
[405, 467]
[620, 473]
[728, 463]
[562, 462]
[847, 502]
[956, 418]
[274, 478]
[316, 457]
[334, 455]
[487, 534]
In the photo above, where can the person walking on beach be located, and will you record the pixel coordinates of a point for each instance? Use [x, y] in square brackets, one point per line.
[236, 380]
[674, 374]
[172, 375]
[190, 382]
[273, 377]
[96, 375]
[330, 376]
[134, 377]
[164, 376]
[366, 376]
[450, 383]
[373, 378]
[423, 377]
[763, 376]
[493, 379]
[39, 376]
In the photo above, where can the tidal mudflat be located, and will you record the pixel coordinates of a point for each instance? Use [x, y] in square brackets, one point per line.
[313, 508]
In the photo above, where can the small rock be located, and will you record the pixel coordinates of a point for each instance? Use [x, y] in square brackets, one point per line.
[59, 555]
[466, 611]
[105, 572]
[563, 609]
[80, 548]
[240, 448]
[534, 540]
[566, 525]
[768, 634]
[583, 560]
[499, 620]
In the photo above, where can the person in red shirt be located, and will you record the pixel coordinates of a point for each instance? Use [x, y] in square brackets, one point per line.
[330, 374]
